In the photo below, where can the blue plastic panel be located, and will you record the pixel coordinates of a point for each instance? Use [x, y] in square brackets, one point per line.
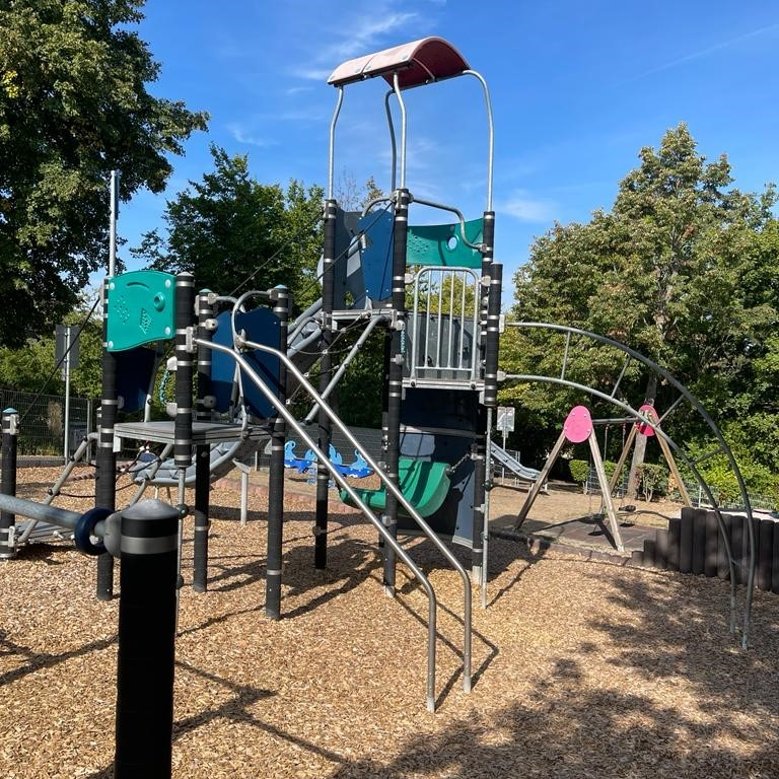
[134, 371]
[261, 326]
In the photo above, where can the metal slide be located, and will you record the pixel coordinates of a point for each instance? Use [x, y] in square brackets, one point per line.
[500, 455]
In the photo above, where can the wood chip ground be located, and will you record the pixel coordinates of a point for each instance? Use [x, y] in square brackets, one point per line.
[582, 669]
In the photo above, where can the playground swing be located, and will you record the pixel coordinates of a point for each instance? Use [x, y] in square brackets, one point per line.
[577, 428]
[647, 429]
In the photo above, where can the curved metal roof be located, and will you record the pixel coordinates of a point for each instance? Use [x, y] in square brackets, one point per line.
[417, 62]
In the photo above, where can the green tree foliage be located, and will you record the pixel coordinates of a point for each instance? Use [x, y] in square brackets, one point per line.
[31, 368]
[229, 231]
[684, 269]
[73, 106]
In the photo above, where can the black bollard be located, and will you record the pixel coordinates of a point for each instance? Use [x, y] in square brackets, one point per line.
[147, 631]
[8, 481]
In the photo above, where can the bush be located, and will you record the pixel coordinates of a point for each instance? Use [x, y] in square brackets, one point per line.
[580, 469]
[653, 477]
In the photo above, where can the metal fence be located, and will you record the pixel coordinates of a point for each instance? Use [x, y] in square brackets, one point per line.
[42, 421]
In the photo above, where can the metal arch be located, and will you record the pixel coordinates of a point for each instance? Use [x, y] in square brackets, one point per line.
[704, 415]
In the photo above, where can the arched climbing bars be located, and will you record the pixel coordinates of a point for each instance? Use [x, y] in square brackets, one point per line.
[654, 424]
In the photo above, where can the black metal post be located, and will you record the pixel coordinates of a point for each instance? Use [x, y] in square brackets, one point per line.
[480, 476]
[326, 370]
[276, 475]
[203, 407]
[397, 353]
[200, 543]
[147, 630]
[8, 481]
[492, 345]
[182, 430]
[105, 460]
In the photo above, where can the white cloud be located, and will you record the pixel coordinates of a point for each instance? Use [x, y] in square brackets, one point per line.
[246, 136]
[364, 34]
[528, 209]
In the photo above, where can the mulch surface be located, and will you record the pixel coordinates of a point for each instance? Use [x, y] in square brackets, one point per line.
[582, 669]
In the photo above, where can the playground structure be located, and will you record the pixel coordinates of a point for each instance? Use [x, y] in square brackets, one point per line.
[441, 366]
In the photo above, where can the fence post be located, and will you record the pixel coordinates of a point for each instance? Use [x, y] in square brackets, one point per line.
[10, 426]
[147, 632]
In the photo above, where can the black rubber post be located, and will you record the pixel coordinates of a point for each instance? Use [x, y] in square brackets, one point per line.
[712, 544]
[661, 549]
[737, 546]
[674, 539]
[200, 542]
[756, 535]
[8, 481]
[273, 573]
[147, 629]
[649, 550]
[685, 540]
[397, 354]
[723, 569]
[105, 459]
[325, 375]
[766, 550]
[699, 541]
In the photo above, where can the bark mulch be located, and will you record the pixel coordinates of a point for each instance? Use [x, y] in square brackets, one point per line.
[582, 668]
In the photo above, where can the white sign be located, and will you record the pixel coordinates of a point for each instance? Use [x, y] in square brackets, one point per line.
[505, 421]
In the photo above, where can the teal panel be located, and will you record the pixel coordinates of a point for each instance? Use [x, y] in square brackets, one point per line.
[141, 309]
[442, 245]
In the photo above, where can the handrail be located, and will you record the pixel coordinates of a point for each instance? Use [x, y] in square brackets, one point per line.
[396, 492]
[341, 481]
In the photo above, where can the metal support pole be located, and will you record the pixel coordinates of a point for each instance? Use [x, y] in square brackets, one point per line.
[8, 481]
[325, 375]
[147, 630]
[202, 452]
[276, 473]
[66, 444]
[396, 356]
[105, 460]
[480, 470]
[200, 544]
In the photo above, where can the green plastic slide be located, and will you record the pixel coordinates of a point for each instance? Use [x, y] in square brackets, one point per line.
[424, 484]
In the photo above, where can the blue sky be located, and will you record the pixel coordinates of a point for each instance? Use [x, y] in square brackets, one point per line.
[577, 89]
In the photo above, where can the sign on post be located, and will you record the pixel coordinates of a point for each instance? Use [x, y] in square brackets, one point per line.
[505, 421]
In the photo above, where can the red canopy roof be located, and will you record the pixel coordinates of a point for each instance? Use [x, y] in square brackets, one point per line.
[418, 62]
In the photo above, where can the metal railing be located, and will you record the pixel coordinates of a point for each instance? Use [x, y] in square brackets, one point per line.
[444, 325]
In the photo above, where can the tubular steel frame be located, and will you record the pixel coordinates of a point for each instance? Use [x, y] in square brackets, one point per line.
[639, 417]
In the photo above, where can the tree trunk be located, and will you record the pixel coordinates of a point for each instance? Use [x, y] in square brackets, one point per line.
[640, 449]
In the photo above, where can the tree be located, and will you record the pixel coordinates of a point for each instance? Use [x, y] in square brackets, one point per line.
[682, 269]
[73, 106]
[230, 231]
